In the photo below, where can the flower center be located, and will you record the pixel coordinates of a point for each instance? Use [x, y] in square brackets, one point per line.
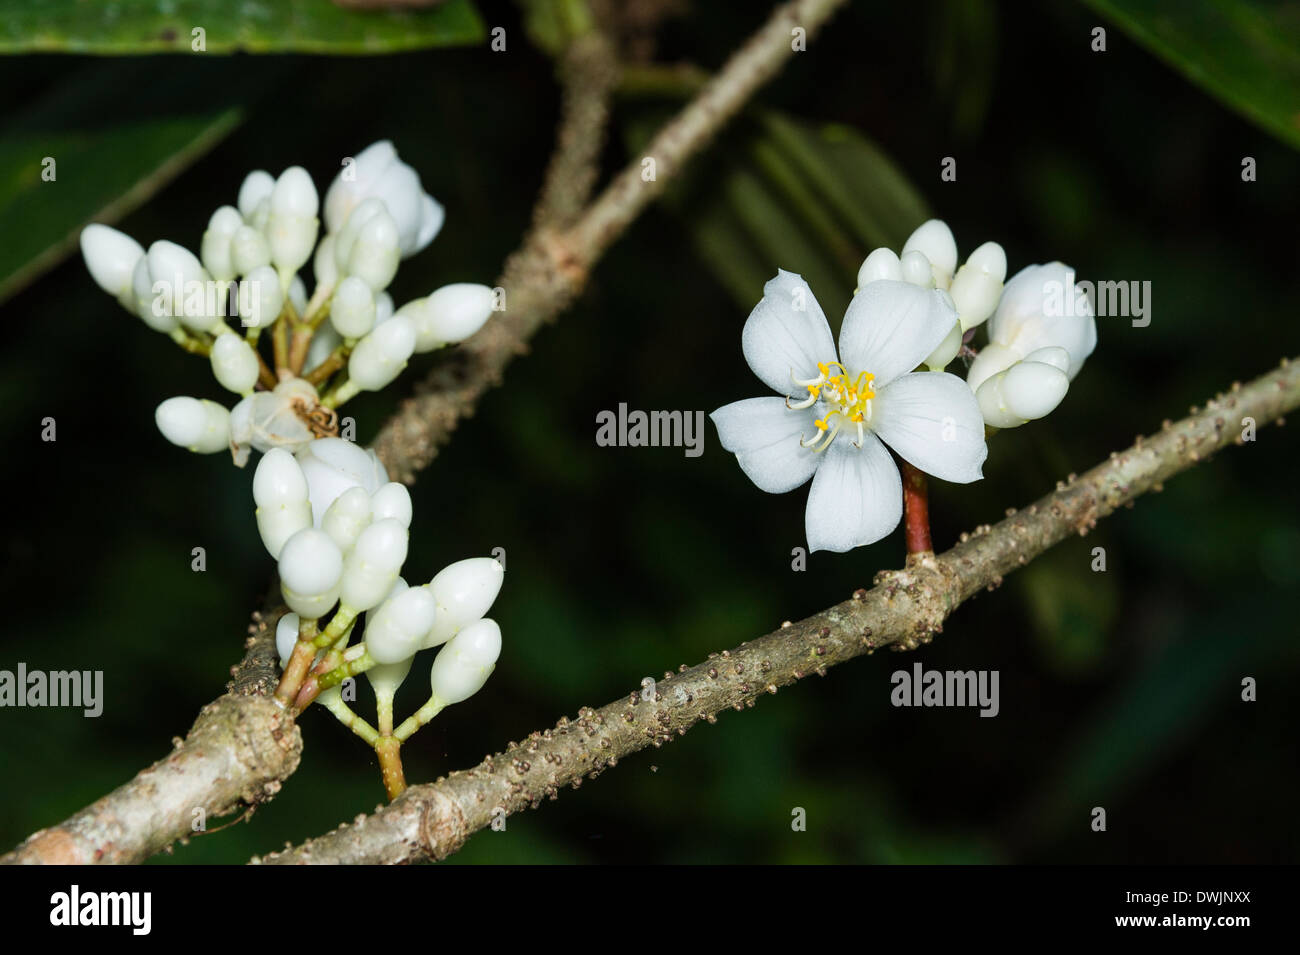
[847, 402]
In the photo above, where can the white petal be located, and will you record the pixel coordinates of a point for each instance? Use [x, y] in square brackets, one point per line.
[764, 436]
[934, 423]
[891, 327]
[786, 332]
[856, 497]
[432, 216]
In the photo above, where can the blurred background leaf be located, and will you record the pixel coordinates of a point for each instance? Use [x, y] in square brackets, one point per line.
[255, 26]
[101, 140]
[1246, 53]
[814, 197]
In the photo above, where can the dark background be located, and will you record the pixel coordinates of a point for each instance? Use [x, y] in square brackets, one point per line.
[1118, 689]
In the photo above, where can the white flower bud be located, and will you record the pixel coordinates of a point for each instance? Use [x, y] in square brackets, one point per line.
[257, 185]
[377, 173]
[155, 310]
[352, 312]
[934, 239]
[234, 363]
[383, 307]
[331, 466]
[376, 253]
[324, 265]
[946, 351]
[1041, 307]
[462, 667]
[347, 517]
[111, 257]
[977, 287]
[381, 355]
[1026, 391]
[322, 344]
[199, 425]
[399, 586]
[992, 359]
[261, 215]
[916, 269]
[373, 564]
[260, 298]
[397, 629]
[451, 314]
[310, 606]
[280, 492]
[248, 250]
[286, 636]
[214, 250]
[882, 263]
[346, 237]
[182, 282]
[385, 678]
[310, 567]
[392, 500]
[294, 195]
[464, 591]
[298, 294]
[1051, 355]
[292, 225]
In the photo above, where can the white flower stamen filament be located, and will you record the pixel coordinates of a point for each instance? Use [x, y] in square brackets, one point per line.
[848, 400]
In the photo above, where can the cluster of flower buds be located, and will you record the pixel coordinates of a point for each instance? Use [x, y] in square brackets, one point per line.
[1034, 349]
[338, 529]
[376, 213]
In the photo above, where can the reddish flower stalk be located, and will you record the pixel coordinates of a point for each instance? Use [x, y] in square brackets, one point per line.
[916, 511]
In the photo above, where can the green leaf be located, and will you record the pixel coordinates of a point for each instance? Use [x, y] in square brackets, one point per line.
[110, 136]
[791, 195]
[1246, 53]
[256, 26]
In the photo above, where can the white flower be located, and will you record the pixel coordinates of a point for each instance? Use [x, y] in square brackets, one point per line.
[377, 173]
[1033, 323]
[840, 408]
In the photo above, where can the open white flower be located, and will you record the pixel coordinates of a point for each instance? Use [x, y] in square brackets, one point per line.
[841, 409]
[1038, 342]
